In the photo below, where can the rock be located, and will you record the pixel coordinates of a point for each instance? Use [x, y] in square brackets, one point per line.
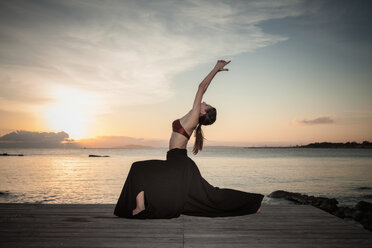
[363, 188]
[278, 194]
[312, 200]
[7, 154]
[364, 206]
[304, 199]
[316, 202]
[362, 212]
[339, 212]
[347, 212]
[367, 222]
[358, 215]
[329, 205]
[295, 197]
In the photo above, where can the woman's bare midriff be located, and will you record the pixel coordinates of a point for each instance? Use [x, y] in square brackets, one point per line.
[177, 140]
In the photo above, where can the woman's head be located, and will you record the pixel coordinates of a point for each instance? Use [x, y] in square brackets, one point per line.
[203, 107]
[207, 116]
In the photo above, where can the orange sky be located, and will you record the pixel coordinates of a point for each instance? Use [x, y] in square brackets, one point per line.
[296, 76]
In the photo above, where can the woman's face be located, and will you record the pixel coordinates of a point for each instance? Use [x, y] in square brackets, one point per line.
[203, 107]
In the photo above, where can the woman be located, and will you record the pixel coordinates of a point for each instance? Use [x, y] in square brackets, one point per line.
[171, 187]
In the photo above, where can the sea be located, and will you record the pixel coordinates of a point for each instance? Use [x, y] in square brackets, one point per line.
[47, 176]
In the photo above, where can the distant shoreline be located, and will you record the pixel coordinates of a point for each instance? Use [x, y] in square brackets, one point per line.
[363, 145]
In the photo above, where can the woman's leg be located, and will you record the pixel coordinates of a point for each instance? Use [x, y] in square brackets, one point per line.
[140, 201]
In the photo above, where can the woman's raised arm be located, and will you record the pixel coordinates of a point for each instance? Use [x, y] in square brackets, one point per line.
[195, 112]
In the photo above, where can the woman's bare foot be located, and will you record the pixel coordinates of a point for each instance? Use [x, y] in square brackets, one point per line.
[140, 203]
[259, 211]
[137, 210]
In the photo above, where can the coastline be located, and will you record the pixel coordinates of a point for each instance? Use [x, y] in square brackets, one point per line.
[361, 212]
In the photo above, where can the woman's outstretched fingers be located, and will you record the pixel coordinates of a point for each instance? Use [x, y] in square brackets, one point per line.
[221, 64]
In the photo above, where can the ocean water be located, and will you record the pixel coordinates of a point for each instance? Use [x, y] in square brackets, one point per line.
[70, 176]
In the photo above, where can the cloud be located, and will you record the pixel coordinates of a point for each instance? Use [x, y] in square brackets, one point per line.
[127, 51]
[27, 139]
[316, 121]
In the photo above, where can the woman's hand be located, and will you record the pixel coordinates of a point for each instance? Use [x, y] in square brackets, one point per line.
[221, 64]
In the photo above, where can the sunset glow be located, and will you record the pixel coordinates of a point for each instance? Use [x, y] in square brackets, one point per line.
[72, 112]
[300, 71]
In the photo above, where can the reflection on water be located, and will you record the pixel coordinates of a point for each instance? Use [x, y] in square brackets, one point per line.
[70, 176]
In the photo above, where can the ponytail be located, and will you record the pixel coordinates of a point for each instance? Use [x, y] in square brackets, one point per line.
[199, 138]
[207, 119]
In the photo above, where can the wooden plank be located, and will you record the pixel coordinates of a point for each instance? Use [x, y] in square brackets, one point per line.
[92, 225]
[82, 225]
[298, 226]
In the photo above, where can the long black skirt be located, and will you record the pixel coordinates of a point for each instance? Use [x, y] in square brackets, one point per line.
[175, 186]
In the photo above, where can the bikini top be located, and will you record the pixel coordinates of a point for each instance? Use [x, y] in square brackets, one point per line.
[178, 128]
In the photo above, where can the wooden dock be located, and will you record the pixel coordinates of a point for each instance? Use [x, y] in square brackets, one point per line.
[94, 225]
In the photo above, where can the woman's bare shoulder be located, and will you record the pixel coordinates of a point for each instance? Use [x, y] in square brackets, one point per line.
[187, 122]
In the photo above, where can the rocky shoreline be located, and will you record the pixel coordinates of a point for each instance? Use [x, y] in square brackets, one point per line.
[7, 154]
[361, 212]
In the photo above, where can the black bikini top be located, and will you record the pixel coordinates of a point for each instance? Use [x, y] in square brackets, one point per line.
[178, 128]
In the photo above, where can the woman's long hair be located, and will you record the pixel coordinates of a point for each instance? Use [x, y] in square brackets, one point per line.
[207, 119]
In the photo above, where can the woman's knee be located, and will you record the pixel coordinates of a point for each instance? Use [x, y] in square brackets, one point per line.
[135, 166]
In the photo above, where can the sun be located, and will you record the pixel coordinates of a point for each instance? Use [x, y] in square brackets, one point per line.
[71, 112]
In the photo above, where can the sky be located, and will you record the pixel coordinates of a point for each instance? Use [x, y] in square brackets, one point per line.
[116, 73]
